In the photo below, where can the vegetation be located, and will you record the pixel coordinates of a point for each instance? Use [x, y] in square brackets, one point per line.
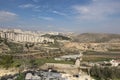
[1, 40]
[105, 73]
[115, 50]
[14, 47]
[94, 56]
[29, 45]
[34, 63]
[16, 63]
[51, 60]
[20, 77]
[56, 37]
[96, 59]
[6, 61]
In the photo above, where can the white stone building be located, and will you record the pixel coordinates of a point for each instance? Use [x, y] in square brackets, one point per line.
[23, 36]
[115, 63]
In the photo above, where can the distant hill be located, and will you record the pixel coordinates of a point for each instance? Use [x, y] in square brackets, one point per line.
[96, 37]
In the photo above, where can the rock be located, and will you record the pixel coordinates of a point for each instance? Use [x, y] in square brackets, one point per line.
[36, 77]
[9, 79]
[28, 76]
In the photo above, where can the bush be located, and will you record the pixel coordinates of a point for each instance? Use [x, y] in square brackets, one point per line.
[105, 73]
[20, 77]
[14, 47]
[6, 61]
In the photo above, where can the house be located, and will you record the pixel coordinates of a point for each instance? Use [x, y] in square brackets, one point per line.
[115, 62]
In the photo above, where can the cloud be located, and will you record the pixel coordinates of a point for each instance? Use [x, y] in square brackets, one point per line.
[97, 10]
[94, 0]
[46, 18]
[35, 1]
[33, 7]
[27, 6]
[6, 16]
[81, 9]
[59, 13]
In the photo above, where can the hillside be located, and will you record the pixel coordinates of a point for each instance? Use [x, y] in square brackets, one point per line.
[56, 37]
[10, 47]
[96, 38]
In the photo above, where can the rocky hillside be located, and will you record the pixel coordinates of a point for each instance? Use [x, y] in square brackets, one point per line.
[97, 38]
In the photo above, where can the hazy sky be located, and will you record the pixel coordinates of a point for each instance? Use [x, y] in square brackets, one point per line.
[61, 15]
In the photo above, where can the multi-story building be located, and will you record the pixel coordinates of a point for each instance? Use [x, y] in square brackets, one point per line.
[23, 36]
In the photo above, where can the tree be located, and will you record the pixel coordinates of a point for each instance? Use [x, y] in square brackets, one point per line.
[28, 46]
[45, 41]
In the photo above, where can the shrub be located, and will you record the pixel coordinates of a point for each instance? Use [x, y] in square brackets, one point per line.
[105, 73]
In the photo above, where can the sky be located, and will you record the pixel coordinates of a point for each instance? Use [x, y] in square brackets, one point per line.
[96, 16]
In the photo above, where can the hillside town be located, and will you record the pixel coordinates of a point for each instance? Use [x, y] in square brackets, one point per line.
[18, 35]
